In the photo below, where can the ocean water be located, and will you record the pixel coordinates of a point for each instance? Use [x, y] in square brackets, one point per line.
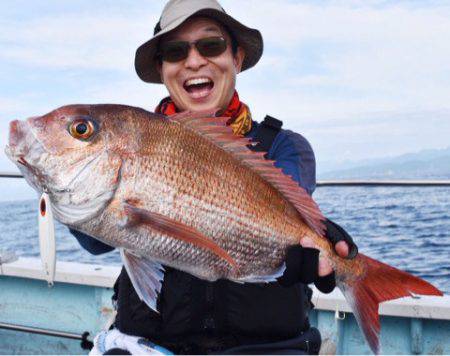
[406, 227]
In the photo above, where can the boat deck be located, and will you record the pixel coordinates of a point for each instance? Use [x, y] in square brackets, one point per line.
[80, 301]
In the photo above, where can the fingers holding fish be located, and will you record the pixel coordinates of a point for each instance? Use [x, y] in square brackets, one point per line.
[342, 249]
[325, 267]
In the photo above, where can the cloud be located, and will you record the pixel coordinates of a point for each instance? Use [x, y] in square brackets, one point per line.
[133, 93]
[87, 40]
[10, 105]
[356, 77]
[344, 58]
[288, 23]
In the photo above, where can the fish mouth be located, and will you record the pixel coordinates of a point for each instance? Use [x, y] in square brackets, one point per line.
[17, 157]
[9, 153]
[22, 161]
[32, 175]
[21, 139]
[23, 150]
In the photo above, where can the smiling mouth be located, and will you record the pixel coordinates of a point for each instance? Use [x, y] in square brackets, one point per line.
[198, 87]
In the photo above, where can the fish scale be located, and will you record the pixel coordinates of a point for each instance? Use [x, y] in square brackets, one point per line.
[224, 199]
[187, 193]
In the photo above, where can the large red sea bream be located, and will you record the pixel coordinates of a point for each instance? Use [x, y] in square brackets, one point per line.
[187, 193]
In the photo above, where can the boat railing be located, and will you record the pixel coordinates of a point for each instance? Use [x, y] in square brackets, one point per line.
[342, 182]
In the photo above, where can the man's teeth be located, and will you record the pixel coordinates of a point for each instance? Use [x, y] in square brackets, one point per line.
[197, 81]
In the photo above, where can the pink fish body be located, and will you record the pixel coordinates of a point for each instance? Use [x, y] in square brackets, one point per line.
[186, 193]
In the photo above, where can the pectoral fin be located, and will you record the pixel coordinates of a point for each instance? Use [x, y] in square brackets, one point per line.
[176, 230]
[146, 276]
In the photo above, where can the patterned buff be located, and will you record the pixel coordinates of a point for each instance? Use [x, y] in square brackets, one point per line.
[238, 112]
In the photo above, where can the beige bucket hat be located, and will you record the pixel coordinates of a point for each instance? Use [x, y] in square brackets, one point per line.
[174, 14]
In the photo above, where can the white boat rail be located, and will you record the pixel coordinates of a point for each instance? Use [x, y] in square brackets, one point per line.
[105, 276]
[342, 182]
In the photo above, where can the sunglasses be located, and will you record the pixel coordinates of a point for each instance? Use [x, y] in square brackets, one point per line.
[175, 51]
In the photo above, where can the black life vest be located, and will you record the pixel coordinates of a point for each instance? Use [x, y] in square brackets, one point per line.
[196, 316]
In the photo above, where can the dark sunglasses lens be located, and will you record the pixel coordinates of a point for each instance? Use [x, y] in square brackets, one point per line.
[211, 47]
[174, 51]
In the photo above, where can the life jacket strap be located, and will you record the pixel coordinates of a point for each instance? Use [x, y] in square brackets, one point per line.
[265, 135]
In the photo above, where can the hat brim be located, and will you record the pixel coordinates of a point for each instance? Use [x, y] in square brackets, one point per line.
[249, 39]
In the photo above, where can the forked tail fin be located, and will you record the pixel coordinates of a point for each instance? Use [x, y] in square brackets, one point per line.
[380, 283]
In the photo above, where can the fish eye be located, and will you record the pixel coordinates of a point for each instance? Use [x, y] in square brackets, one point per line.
[82, 128]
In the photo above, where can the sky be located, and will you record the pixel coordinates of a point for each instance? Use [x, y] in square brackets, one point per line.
[359, 79]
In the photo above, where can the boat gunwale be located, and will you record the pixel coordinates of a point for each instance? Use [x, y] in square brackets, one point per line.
[428, 307]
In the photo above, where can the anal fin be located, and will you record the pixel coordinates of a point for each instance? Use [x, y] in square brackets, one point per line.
[146, 276]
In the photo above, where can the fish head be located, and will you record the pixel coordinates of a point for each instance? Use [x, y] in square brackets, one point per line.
[68, 154]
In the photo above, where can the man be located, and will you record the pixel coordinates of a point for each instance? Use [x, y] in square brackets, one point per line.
[196, 52]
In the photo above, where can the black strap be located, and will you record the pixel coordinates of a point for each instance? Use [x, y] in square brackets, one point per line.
[86, 344]
[266, 133]
[307, 343]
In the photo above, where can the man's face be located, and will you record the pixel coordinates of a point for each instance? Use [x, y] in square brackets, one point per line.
[198, 82]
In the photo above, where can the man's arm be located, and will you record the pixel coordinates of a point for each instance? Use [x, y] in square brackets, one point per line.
[294, 155]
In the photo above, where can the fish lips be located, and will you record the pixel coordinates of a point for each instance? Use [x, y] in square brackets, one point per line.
[22, 149]
[31, 174]
[21, 139]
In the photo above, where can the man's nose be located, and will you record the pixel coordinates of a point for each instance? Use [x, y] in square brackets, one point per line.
[194, 59]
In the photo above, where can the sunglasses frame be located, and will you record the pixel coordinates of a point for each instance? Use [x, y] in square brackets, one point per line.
[186, 46]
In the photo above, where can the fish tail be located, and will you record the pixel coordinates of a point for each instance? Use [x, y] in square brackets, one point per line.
[380, 282]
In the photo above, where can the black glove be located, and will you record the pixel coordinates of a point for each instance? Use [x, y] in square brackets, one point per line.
[335, 233]
[302, 263]
[302, 266]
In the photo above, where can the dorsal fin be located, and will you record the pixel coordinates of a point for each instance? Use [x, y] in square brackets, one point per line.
[215, 129]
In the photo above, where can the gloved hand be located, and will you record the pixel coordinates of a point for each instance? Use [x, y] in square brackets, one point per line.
[341, 240]
[304, 265]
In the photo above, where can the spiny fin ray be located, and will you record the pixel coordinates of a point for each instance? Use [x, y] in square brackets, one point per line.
[215, 129]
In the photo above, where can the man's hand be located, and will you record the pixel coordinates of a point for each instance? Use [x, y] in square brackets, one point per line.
[341, 249]
[341, 240]
[304, 265]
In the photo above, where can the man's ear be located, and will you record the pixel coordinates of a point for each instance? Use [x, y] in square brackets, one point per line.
[239, 59]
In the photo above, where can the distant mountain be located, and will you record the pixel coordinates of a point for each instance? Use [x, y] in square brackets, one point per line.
[426, 164]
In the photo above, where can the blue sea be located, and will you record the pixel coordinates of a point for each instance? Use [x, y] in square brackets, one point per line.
[406, 227]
